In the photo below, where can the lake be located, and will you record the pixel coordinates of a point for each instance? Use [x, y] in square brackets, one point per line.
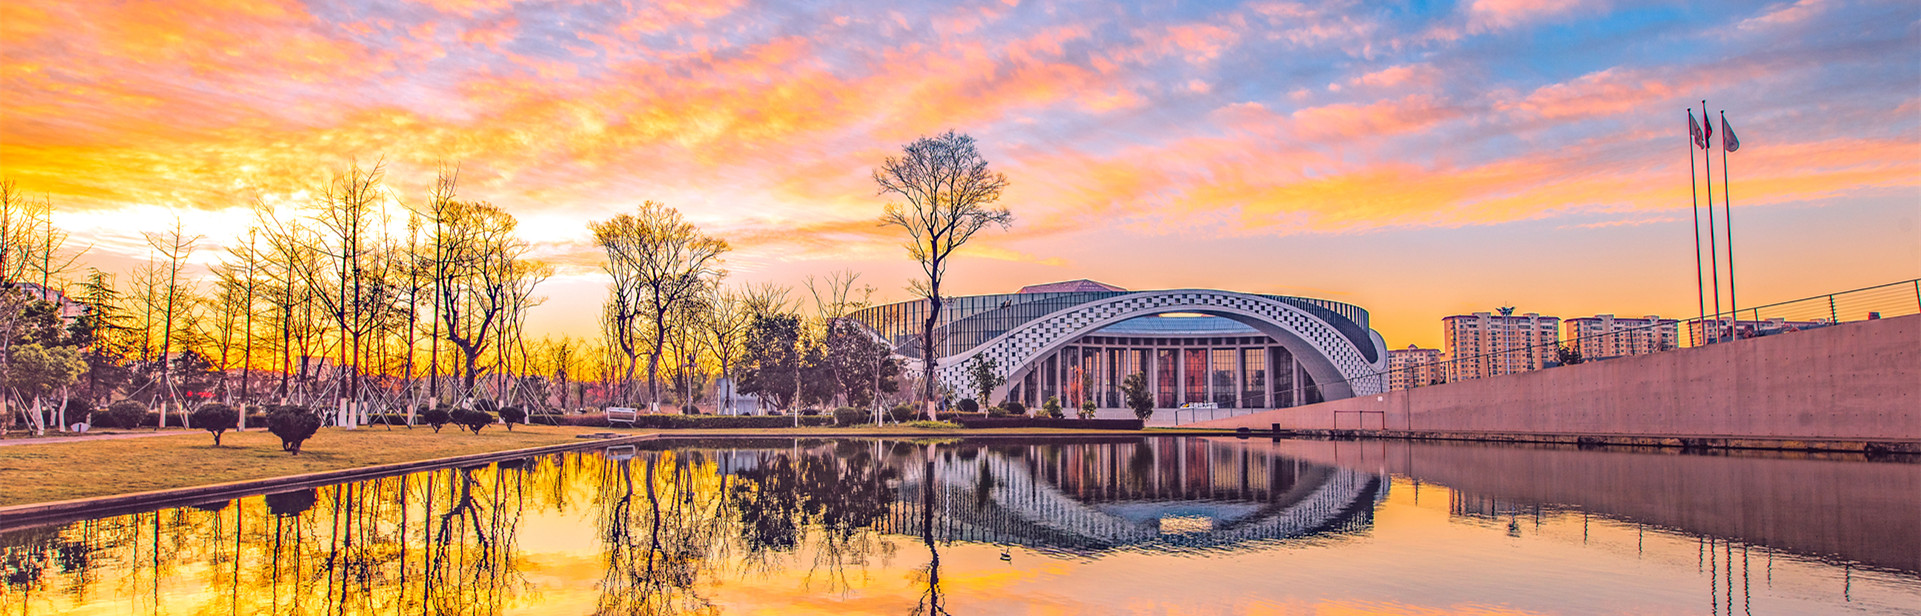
[1081, 525]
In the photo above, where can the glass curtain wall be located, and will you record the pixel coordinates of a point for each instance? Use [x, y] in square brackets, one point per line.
[1166, 385]
[1194, 372]
[1254, 378]
[1283, 376]
[1224, 369]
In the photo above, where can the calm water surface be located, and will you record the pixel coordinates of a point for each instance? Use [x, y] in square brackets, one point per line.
[1159, 525]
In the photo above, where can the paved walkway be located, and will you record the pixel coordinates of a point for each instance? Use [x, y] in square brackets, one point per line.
[90, 437]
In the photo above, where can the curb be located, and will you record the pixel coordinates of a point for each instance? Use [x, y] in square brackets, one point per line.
[36, 514]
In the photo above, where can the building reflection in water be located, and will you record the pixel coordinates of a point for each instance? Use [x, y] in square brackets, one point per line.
[671, 521]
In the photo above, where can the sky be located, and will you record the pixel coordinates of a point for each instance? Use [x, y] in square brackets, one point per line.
[1418, 159]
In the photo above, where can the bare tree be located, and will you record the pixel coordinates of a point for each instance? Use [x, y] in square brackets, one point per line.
[484, 279]
[834, 298]
[174, 292]
[658, 261]
[949, 195]
[724, 330]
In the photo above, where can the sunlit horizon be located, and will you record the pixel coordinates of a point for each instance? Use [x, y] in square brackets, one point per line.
[1416, 161]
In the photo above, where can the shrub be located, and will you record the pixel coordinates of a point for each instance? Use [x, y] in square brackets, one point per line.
[901, 413]
[294, 425]
[1013, 407]
[1051, 407]
[126, 414]
[933, 425]
[513, 415]
[472, 419]
[79, 410]
[216, 418]
[1087, 409]
[437, 416]
[968, 405]
[809, 412]
[850, 416]
[1134, 388]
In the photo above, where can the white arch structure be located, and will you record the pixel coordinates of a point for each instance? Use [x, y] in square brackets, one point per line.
[1337, 365]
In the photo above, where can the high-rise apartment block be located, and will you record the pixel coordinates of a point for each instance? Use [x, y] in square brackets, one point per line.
[1603, 336]
[1484, 344]
[1413, 367]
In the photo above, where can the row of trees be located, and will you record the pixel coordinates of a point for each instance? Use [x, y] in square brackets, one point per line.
[363, 298]
[356, 294]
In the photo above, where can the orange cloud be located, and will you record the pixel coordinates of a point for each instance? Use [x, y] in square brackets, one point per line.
[1388, 117]
[1601, 93]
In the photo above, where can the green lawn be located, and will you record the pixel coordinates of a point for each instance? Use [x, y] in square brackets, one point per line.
[45, 472]
[36, 473]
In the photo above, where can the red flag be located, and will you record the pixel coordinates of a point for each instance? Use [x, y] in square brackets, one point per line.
[1728, 141]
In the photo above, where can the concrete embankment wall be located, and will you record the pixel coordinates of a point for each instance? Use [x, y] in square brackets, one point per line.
[1851, 382]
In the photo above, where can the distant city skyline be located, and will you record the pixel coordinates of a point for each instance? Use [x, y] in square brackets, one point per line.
[1419, 161]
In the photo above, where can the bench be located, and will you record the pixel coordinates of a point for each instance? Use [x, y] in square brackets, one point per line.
[622, 413]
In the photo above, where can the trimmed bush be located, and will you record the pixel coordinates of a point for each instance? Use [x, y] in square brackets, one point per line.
[126, 414]
[216, 418]
[711, 422]
[437, 416]
[294, 425]
[1051, 407]
[1087, 409]
[1013, 407]
[901, 413]
[79, 410]
[1039, 422]
[968, 405]
[472, 419]
[512, 415]
[850, 416]
[933, 425]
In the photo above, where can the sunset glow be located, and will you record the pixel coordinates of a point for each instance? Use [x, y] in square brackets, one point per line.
[1418, 160]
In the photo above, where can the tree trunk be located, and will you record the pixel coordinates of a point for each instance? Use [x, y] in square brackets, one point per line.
[927, 349]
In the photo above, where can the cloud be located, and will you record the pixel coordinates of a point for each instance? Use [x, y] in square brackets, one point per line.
[1489, 15]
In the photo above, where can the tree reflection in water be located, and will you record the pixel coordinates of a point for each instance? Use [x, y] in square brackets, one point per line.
[686, 527]
[435, 542]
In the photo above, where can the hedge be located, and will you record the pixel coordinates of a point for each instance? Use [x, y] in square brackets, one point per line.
[681, 422]
[1039, 422]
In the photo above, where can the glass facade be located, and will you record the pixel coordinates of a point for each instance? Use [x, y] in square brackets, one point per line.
[1166, 388]
[1194, 369]
[1223, 382]
[1254, 378]
[1233, 372]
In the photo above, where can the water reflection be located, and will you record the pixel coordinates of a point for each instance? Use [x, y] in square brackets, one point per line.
[884, 526]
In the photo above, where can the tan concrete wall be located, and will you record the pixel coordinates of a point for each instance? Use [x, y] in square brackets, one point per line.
[1852, 381]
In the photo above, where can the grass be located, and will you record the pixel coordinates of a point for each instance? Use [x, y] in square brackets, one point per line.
[46, 472]
[37, 473]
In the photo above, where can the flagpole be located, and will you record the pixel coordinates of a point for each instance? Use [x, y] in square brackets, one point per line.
[1727, 221]
[1694, 189]
[1714, 251]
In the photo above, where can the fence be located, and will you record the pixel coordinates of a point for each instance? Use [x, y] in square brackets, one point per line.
[1876, 302]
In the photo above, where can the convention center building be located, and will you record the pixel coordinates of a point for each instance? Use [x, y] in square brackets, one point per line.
[1077, 340]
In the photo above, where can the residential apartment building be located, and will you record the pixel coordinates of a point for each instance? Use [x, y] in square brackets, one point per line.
[1485, 344]
[1413, 367]
[1605, 335]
